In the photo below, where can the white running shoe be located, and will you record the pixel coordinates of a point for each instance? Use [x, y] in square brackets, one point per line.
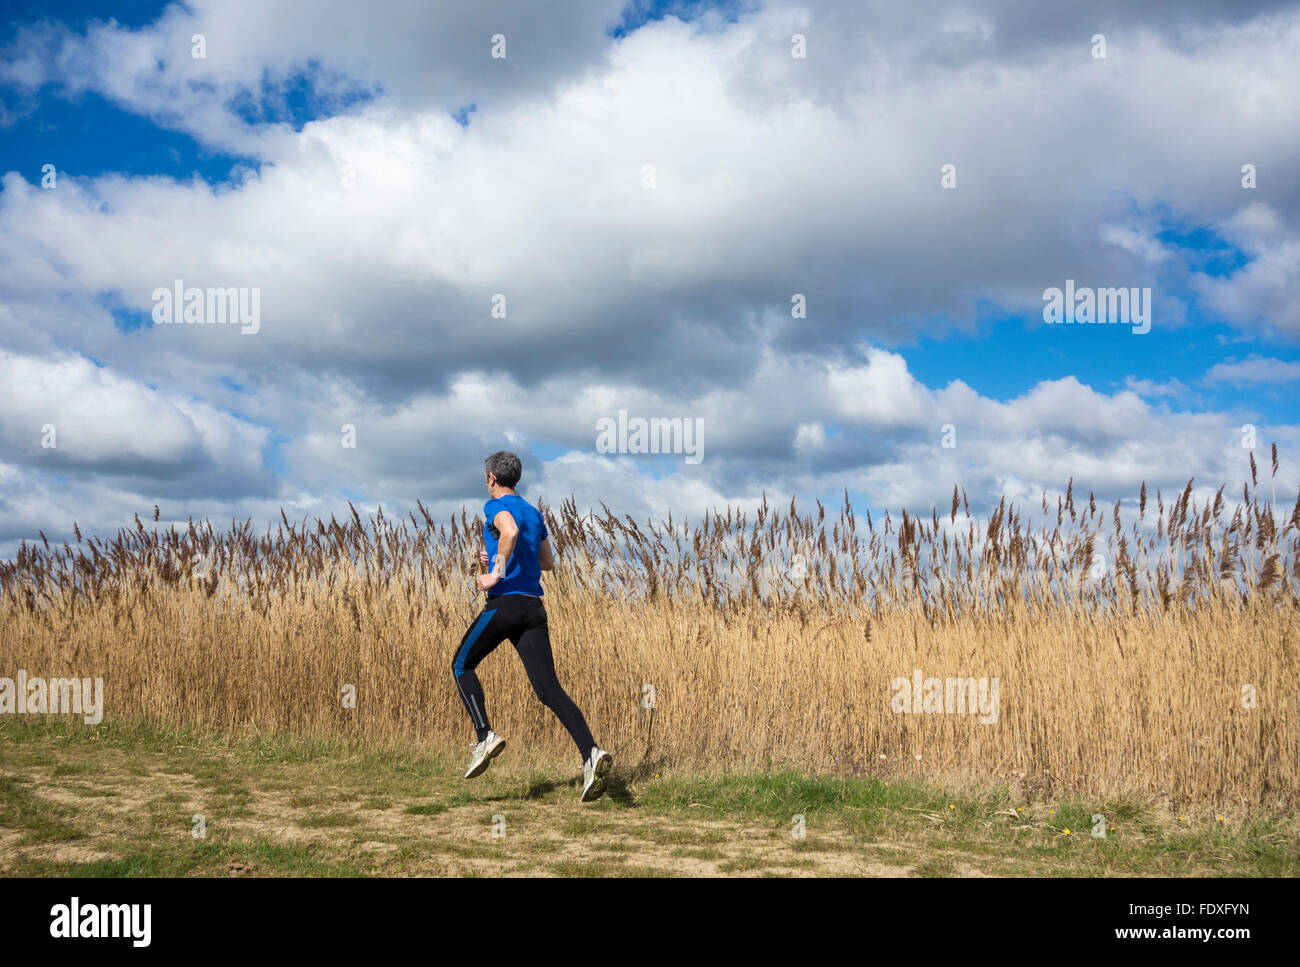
[594, 773]
[484, 753]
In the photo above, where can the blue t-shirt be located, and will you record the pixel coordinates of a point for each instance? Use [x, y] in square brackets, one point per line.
[523, 574]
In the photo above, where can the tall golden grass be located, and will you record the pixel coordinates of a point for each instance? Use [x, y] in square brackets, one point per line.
[1127, 641]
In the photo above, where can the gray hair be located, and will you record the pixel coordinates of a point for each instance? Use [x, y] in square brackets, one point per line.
[505, 467]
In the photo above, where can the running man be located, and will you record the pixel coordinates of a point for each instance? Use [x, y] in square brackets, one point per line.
[518, 550]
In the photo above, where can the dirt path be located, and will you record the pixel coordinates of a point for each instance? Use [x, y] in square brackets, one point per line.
[93, 814]
[147, 803]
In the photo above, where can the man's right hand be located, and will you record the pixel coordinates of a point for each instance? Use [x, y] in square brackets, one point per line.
[483, 558]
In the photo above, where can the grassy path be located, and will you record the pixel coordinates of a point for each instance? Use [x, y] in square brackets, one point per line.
[117, 801]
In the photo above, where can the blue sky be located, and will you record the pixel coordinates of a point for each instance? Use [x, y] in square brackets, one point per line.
[106, 139]
[469, 176]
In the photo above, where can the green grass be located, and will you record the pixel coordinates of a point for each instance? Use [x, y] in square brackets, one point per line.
[743, 864]
[426, 809]
[41, 820]
[118, 800]
[935, 866]
[700, 853]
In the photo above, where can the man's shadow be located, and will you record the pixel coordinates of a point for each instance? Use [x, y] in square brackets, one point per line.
[616, 785]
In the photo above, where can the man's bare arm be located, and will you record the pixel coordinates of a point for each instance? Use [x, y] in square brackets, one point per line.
[509, 531]
[544, 556]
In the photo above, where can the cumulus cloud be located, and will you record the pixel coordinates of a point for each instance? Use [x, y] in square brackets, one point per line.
[644, 210]
[1262, 294]
[67, 414]
[417, 56]
[1254, 370]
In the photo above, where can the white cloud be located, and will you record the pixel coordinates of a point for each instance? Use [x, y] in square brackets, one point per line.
[99, 421]
[1172, 388]
[1135, 242]
[773, 176]
[1262, 293]
[1254, 370]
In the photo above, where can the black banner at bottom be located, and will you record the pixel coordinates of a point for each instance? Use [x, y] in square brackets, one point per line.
[140, 917]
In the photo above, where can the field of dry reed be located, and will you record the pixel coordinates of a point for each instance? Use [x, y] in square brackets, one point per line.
[1146, 648]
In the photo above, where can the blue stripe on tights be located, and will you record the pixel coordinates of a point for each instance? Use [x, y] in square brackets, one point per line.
[469, 642]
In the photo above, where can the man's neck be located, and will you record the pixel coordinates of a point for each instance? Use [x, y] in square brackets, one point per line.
[501, 492]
